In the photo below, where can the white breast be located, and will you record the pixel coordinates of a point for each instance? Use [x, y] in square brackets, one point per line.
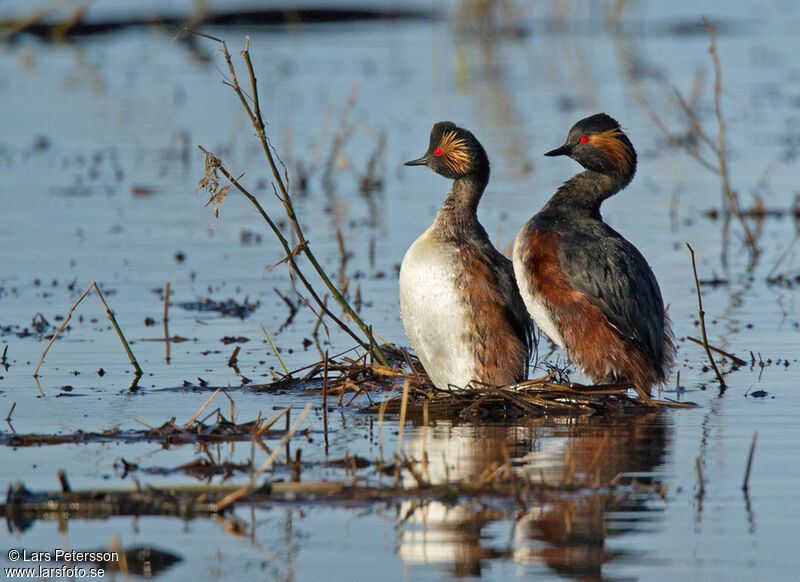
[434, 315]
[533, 300]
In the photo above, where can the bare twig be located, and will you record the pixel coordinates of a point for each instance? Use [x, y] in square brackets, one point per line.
[717, 146]
[93, 285]
[730, 356]
[253, 110]
[703, 322]
[202, 408]
[166, 320]
[275, 351]
[325, 400]
[721, 149]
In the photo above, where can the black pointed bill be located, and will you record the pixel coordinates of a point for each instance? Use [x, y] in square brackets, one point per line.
[418, 162]
[564, 150]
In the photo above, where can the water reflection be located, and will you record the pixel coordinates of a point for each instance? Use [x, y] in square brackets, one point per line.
[600, 483]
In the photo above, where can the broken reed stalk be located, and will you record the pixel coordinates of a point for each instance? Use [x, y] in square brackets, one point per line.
[92, 285]
[325, 401]
[703, 322]
[730, 356]
[232, 361]
[269, 424]
[276, 352]
[10, 412]
[231, 498]
[166, 320]
[202, 408]
[745, 485]
[256, 119]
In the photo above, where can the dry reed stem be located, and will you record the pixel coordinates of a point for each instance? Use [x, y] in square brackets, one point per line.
[291, 252]
[232, 361]
[166, 320]
[325, 401]
[269, 424]
[202, 408]
[403, 408]
[745, 485]
[257, 120]
[730, 356]
[718, 146]
[275, 351]
[703, 322]
[131, 357]
[11, 411]
[239, 493]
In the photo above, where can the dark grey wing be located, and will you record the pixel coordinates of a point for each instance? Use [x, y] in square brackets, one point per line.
[616, 278]
[517, 313]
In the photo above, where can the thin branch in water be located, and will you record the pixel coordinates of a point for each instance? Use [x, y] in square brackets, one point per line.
[730, 356]
[703, 322]
[166, 321]
[202, 408]
[275, 351]
[131, 357]
[257, 120]
[717, 146]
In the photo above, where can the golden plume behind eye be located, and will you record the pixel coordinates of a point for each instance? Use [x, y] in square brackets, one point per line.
[454, 152]
[618, 153]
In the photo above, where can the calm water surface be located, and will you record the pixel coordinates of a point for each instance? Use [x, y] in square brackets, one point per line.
[99, 170]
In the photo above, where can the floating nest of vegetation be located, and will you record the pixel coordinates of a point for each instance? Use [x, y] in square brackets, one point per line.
[378, 389]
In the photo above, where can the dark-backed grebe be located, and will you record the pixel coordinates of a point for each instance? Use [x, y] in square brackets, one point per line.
[586, 287]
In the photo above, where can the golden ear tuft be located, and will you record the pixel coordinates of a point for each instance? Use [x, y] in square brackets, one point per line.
[454, 152]
[617, 151]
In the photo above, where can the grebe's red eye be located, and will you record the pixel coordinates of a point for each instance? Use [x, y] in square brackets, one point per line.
[584, 138]
[437, 152]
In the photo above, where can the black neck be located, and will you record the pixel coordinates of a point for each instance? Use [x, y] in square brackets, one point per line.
[585, 192]
[458, 216]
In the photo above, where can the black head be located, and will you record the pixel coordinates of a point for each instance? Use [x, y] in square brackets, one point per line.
[454, 153]
[598, 143]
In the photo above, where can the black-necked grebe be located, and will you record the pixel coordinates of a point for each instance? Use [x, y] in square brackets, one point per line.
[460, 304]
[590, 290]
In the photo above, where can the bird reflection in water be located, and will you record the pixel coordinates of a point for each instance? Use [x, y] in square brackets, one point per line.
[586, 469]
